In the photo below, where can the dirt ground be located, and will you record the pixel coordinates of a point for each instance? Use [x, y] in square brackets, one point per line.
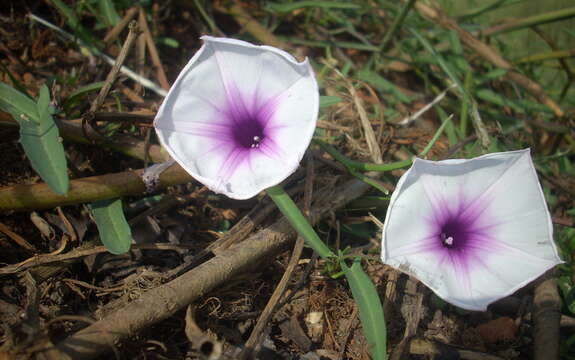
[65, 280]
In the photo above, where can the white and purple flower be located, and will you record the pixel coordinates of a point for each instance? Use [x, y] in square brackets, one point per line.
[472, 230]
[239, 116]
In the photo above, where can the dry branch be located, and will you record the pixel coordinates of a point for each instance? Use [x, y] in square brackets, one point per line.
[489, 54]
[547, 317]
[164, 301]
[431, 348]
[160, 73]
[39, 196]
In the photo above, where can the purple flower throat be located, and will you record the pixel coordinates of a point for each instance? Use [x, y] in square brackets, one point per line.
[247, 130]
[454, 234]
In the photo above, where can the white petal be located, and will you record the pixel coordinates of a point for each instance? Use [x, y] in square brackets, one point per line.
[221, 73]
[511, 225]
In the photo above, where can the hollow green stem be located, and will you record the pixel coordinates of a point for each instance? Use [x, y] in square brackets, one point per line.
[298, 221]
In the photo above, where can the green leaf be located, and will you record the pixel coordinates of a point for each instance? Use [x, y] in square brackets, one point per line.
[382, 84]
[326, 101]
[43, 105]
[520, 105]
[114, 230]
[447, 68]
[288, 7]
[78, 94]
[109, 12]
[168, 41]
[20, 106]
[290, 210]
[370, 309]
[39, 135]
[472, 107]
[570, 301]
[74, 23]
[46, 154]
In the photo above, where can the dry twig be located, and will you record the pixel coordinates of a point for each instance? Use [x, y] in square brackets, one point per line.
[160, 73]
[547, 317]
[88, 189]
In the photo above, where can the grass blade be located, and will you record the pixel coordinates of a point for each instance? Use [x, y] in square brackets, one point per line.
[109, 12]
[370, 309]
[327, 101]
[290, 210]
[289, 7]
[465, 96]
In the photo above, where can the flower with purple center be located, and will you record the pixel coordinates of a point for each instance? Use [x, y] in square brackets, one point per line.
[239, 117]
[474, 230]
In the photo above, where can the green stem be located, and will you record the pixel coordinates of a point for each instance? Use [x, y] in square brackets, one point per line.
[396, 24]
[424, 152]
[298, 221]
[534, 20]
[358, 165]
[551, 55]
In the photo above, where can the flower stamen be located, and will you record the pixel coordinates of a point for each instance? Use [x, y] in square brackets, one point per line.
[256, 142]
[446, 240]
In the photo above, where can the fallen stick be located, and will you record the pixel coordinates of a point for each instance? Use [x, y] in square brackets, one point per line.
[164, 301]
[88, 189]
[489, 54]
[426, 347]
[546, 316]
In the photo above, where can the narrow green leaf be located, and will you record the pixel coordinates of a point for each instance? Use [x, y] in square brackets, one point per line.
[358, 165]
[465, 96]
[519, 105]
[86, 89]
[168, 41]
[290, 210]
[382, 84]
[326, 101]
[329, 44]
[492, 75]
[78, 94]
[288, 7]
[114, 230]
[109, 12]
[447, 68]
[570, 301]
[74, 23]
[497, 5]
[370, 309]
